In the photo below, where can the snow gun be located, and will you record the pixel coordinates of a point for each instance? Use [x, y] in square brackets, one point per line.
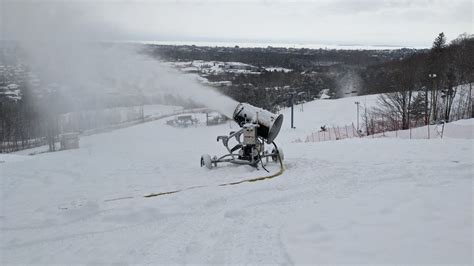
[257, 128]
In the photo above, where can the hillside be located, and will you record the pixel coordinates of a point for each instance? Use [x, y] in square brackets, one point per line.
[362, 200]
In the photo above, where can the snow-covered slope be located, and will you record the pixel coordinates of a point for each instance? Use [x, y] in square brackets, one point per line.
[311, 116]
[350, 201]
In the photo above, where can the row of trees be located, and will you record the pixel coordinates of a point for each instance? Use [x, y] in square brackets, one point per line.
[299, 59]
[26, 123]
[271, 89]
[430, 87]
[314, 70]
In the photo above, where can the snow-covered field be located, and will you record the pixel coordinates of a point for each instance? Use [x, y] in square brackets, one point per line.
[218, 67]
[350, 201]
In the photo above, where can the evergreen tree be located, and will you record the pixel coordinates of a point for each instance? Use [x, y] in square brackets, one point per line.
[439, 43]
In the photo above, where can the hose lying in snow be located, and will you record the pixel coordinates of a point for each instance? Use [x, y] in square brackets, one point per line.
[282, 169]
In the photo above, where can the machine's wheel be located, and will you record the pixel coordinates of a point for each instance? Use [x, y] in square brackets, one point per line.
[278, 153]
[206, 161]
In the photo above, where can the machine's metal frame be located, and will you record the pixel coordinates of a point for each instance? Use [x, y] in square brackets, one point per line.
[234, 155]
[257, 127]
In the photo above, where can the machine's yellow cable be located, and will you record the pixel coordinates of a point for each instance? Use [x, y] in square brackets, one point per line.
[282, 169]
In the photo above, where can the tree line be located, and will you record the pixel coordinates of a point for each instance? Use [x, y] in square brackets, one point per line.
[427, 87]
[302, 59]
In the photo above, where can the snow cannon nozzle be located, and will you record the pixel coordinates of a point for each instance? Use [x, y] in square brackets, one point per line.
[258, 127]
[269, 124]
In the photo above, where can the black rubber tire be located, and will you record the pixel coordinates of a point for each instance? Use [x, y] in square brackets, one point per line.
[280, 153]
[206, 161]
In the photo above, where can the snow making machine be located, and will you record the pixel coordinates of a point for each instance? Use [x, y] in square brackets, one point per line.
[257, 128]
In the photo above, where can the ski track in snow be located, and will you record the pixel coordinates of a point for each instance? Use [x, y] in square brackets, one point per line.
[348, 201]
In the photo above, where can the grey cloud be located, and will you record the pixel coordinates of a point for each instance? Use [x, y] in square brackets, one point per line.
[364, 21]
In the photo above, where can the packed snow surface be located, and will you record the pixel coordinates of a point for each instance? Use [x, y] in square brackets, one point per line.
[382, 200]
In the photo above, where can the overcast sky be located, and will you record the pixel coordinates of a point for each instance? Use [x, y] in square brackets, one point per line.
[365, 22]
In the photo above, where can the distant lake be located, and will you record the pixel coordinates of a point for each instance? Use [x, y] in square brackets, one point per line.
[281, 45]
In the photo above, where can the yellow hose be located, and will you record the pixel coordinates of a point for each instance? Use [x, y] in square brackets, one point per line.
[282, 169]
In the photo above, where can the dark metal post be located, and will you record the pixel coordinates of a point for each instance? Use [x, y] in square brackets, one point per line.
[357, 103]
[292, 107]
[427, 116]
[433, 99]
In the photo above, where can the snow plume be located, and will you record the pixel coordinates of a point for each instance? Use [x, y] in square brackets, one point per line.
[64, 44]
[348, 84]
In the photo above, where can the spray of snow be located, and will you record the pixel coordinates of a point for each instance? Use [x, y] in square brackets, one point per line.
[349, 84]
[63, 44]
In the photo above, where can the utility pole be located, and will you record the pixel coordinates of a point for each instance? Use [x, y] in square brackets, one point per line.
[299, 95]
[448, 95]
[357, 103]
[292, 107]
[427, 114]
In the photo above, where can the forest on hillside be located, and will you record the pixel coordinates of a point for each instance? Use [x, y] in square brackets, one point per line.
[428, 87]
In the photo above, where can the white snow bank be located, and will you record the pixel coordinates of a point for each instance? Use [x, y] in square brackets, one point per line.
[383, 201]
[398, 222]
